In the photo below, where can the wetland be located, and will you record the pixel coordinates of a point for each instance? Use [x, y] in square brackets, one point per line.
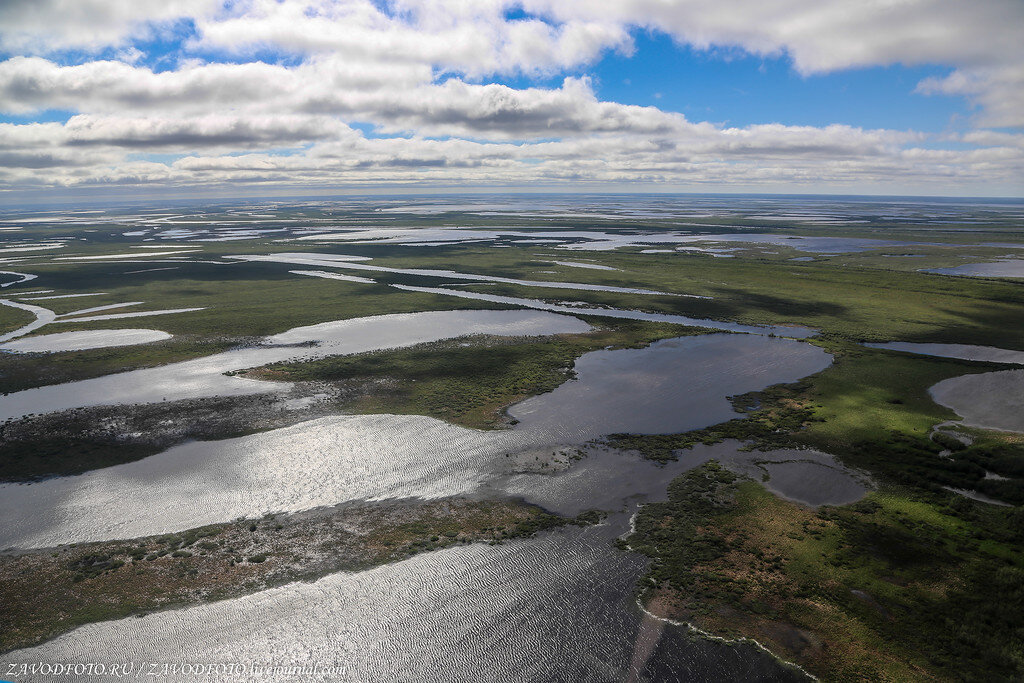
[544, 439]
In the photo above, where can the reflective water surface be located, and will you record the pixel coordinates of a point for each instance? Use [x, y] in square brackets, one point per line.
[205, 377]
[1005, 268]
[670, 386]
[993, 400]
[673, 385]
[961, 351]
[558, 607]
[84, 339]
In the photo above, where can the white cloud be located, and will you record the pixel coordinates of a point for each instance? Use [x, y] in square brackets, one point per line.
[37, 26]
[470, 38]
[999, 92]
[419, 69]
[824, 35]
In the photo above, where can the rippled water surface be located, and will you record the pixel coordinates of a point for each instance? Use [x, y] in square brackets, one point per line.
[671, 386]
[558, 607]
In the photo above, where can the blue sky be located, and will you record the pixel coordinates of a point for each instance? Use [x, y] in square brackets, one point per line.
[794, 96]
[739, 89]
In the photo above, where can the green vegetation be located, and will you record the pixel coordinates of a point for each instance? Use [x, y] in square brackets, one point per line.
[913, 582]
[13, 318]
[891, 588]
[872, 409]
[50, 591]
[843, 299]
[469, 380]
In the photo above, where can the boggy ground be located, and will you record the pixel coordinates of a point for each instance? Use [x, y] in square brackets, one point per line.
[49, 591]
[912, 583]
[467, 381]
[890, 588]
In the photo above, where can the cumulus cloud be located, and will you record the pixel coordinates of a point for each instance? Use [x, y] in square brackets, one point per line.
[37, 26]
[422, 72]
[824, 35]
[998, 92]
[471, 38]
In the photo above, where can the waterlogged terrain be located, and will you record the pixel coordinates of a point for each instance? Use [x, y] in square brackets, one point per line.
[515, 439]
[341, 459]
[557, 608]
[206, 377]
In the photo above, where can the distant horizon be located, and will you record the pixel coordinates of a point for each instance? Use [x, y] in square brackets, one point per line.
[113, 201]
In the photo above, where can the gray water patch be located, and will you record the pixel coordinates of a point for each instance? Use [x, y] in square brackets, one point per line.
[82, 340]
[961, 351]
[23, 277]
[980, 497]
[204, 377]
[602, 240]
[43, 317]
[559, 607]
[609, 479]
[584, 309]
[827, 245]
[605, 479]
[97, 309]
[591, 266]
[681, 384]
[345, 262]
[333, 276]
[806, 479]
[59, 296]
[104, 257]
[332, 460]
[990, 400]
[118, 316]
[1007, 268]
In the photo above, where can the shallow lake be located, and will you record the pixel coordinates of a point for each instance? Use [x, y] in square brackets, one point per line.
[559, 607]
[673, 385]
[670, 386]
[961, 351]
[993, 400]
[1007, 268]
[205, 377]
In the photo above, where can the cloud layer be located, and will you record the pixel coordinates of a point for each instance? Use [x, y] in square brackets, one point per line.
[262, 91]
